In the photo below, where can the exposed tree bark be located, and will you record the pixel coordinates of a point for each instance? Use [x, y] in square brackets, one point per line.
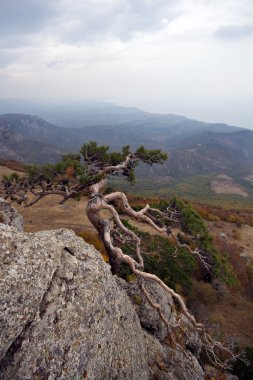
[111, 230]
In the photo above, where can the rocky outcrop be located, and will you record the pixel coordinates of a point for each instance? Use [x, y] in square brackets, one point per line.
[64, 316]
[8, 215]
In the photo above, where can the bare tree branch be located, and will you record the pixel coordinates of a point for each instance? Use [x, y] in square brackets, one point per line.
[90, 176]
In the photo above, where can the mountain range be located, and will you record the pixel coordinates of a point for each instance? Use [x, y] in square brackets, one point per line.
[194, 147]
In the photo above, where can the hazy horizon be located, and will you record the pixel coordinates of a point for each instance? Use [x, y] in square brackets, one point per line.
[46, 102]
[188, 57]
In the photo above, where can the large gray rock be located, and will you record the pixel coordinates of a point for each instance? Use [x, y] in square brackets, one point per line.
[64, 316]
[148, 316]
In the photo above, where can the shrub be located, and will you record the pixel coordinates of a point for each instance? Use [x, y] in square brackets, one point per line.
[195, 225]
[158, 255]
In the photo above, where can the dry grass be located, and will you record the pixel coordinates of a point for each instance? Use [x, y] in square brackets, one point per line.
[47, 214]
[242, 236]
[7, 171]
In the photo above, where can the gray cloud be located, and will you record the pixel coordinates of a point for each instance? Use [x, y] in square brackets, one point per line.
[121, 19]
[74, 21]
[25, 16]
[234, 31]
[77, 21]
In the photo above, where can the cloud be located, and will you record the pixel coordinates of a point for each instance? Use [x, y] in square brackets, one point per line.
[234, 31]
[78, 20]
[25, 16]
[100, 19]
[26, 24]
[184, 56]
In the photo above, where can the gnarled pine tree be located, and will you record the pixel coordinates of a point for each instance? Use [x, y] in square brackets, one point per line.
[86, 174]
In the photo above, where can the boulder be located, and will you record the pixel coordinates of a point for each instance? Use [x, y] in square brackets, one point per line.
[63, 315]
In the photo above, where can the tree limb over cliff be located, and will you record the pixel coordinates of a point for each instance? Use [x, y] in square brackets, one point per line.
[87, 173]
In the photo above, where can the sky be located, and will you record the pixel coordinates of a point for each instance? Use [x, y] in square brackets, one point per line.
[187, 57]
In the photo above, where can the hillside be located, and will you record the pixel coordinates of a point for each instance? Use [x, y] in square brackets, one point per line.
[211, 152]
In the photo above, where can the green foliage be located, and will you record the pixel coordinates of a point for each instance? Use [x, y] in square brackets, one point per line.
[13, 177]
[69, 160]
[72, 157]
[172, 269]
[159, 258]
[91, 152]
[151, 156]
[87, 167]
[38, 173]
[192, 223]
[131, 176]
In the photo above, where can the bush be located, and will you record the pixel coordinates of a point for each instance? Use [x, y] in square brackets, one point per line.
[193, 223]
[158, 255]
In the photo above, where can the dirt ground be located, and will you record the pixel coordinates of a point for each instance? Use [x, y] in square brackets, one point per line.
[224, 184]
[48, 214]
[241, 236]
[6, 171]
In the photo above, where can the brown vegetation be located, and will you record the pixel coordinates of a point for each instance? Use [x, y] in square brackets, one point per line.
[12, 164]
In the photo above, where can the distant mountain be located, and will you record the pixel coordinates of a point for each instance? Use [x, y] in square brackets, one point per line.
[194, 147]
[35, 128]
[76, 115]
[209, 152]
[16, 146]
[19, 132]
[29, 139]
[89, 114]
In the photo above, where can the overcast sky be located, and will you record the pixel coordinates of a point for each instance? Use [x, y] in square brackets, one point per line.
[188, 57]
